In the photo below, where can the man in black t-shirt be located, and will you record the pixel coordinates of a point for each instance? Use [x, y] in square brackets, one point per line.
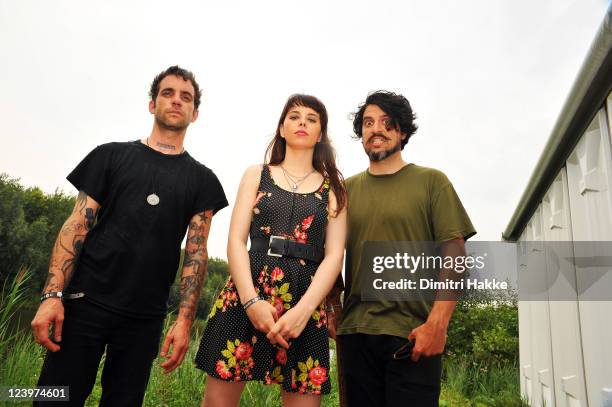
[117, 254]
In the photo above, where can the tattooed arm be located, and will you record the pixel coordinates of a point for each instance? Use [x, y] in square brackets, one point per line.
[64, 256]
[192, 280]
[194, 265]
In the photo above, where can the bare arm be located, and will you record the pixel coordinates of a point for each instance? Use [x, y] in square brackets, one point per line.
[193, 274]
[292, 323]
[237, 254]
[445, 303]
[430, 338]
[195, 265]
[64, 257]
[262, 314]
[70, 241]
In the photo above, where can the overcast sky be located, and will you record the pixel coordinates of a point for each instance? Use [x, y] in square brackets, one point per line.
[487, 80]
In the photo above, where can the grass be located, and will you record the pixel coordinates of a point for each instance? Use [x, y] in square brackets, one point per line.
[464, 384]
[472, 385]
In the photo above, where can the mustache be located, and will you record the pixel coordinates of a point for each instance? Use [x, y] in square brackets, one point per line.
[378, 135]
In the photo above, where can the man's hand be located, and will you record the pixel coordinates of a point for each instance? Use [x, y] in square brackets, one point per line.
[178, 338]
[430, 339]
[333, 312]
[333, 303]
[64, 257]
[50, 314]
[331, 325]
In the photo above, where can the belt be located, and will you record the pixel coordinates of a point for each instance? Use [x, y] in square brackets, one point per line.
[280, 246]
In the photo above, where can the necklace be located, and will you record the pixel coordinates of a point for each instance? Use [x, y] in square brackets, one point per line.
[293, 181]
[147, 141]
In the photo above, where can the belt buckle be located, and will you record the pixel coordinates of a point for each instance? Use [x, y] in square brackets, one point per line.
[270, 245]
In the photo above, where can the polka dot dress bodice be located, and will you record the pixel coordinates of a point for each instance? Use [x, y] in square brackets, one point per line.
[231, 348]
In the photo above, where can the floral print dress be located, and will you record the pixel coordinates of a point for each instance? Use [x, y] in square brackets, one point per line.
[231, 348]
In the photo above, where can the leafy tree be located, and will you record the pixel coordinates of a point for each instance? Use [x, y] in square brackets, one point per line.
[13, 227]
[29, 223]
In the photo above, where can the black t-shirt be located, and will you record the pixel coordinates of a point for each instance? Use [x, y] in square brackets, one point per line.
[130, 258]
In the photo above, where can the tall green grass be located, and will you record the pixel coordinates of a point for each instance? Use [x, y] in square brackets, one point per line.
[465, 384]
[11, 298]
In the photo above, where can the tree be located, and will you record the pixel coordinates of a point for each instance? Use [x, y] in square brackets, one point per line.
[29, 223]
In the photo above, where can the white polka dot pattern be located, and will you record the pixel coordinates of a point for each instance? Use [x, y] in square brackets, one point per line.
[231, 348]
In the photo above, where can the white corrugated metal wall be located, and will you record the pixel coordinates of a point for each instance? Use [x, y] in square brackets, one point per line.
[566, 346]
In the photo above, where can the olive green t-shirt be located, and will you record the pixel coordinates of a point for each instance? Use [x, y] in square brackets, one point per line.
[414, 204]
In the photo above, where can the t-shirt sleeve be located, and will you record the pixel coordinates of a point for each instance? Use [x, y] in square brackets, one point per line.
[210, 194]
[92, 174]
[449, 218]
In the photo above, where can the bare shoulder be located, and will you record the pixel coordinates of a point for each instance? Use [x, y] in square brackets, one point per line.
[253, 171]
[332, 204]
[252, 175]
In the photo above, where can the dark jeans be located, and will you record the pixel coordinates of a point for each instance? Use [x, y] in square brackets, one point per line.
[373, 378]
[131, 345]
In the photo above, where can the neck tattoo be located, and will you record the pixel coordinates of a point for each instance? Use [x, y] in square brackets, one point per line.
[164, 146]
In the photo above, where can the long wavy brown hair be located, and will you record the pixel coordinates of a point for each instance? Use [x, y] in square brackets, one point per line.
[324, 157]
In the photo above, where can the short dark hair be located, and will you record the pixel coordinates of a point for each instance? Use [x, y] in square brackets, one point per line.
[177, 71]
[396, 106]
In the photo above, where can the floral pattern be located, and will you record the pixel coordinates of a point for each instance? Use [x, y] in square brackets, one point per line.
[260, 195]
[299, 232]
[228, 297]
[276, 292]
[225, 351]
[274, 377]
[281, 356]
[324, 186]
[320, 315]
[238, 361]
[309, 378]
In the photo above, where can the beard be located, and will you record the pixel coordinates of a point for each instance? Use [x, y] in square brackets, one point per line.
[376, 156]
[163, 123]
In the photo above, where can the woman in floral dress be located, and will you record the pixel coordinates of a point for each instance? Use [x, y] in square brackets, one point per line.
[269, 323]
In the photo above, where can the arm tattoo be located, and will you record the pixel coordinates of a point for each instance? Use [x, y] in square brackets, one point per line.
[69, 244]
[73, 254]
[51, 283]
[194, 264]
[90, 218]
[81, 202]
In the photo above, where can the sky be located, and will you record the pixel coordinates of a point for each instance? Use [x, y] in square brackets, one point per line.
[487, 80]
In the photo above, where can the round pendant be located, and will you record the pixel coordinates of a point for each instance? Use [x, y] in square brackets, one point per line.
[153, 199]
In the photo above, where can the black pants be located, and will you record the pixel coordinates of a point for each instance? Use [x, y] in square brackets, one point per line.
[373, 378]
[131, 345]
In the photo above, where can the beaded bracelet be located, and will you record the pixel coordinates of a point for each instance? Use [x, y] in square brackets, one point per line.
[51, 294]
[251, 302]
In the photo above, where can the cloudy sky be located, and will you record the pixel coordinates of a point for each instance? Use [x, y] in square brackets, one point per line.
[487, 80]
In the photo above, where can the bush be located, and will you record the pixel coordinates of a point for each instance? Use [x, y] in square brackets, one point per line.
[484, 328]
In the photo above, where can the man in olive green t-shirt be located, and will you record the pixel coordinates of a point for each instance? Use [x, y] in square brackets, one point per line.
[395, 201]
